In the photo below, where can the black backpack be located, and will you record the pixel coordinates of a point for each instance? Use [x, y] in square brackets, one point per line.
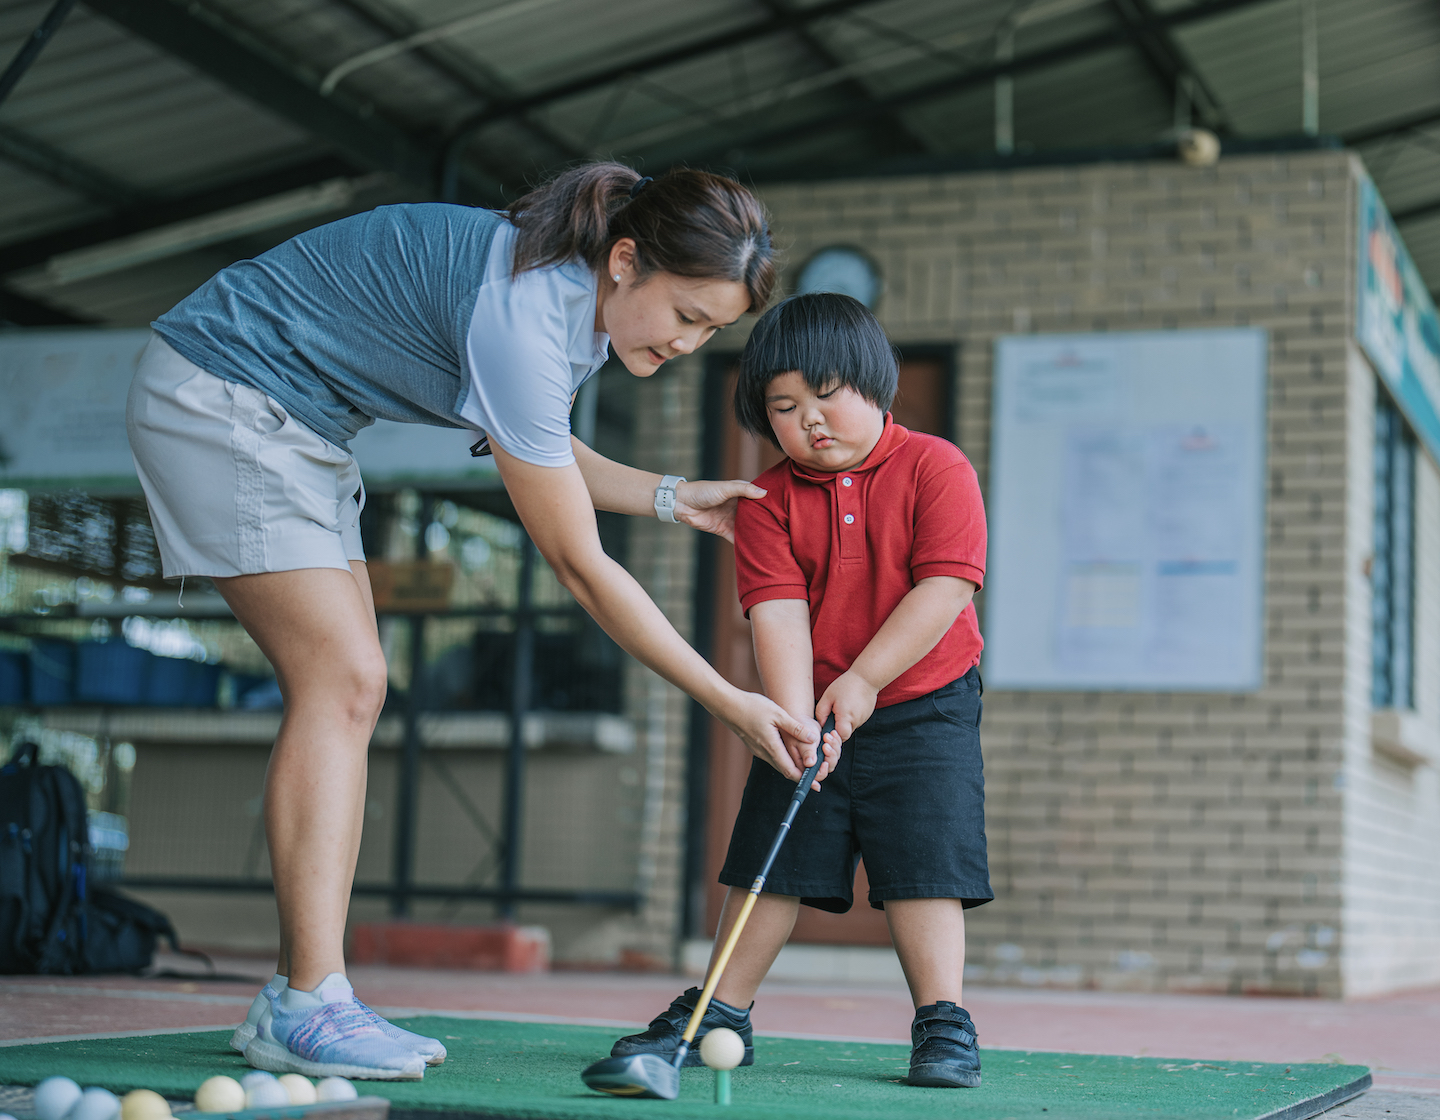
[51, 920]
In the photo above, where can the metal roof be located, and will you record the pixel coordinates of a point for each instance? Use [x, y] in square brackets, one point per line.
[143, 113]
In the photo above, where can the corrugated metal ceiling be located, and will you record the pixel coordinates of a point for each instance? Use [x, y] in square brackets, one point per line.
[144, 111]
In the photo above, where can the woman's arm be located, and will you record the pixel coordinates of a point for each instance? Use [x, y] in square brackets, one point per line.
[709, 506]
[786, 659]
[914, 627]
[558, 514]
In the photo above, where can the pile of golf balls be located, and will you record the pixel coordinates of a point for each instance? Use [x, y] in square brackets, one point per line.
[261, 1090]
[59, 1098]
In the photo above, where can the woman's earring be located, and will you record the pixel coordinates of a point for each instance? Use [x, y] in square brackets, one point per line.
[617, 278]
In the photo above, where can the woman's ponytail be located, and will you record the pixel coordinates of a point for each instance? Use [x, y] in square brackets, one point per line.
[690, 223]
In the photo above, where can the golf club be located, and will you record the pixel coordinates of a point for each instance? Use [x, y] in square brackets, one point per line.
[649, 1075]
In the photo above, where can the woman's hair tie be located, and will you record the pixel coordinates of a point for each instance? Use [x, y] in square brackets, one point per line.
[640, 184]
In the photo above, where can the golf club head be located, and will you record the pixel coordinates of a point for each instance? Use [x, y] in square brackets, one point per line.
[634, 1075]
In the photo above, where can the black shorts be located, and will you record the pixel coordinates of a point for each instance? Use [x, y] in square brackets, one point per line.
[908, 796]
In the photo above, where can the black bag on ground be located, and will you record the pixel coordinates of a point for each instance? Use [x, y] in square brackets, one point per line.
[51, 921]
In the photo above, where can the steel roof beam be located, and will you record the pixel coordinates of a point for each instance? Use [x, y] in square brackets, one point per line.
[154, 212]
[34, 44]
[194, 35]
[59, 167]
[382, 18]
[983, 75]
[1168, 61]
[22, 311]
[800, 29]
[771, 25]
[1392, 128]
[1424, 210]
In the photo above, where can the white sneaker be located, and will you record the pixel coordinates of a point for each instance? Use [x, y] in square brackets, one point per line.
[329, 1033]
[431, 1049]
[246, 1030]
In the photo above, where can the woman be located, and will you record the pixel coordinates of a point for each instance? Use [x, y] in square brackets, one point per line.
[239, 417]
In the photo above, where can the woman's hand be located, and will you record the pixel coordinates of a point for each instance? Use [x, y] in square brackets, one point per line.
[711, 506]
[768, 731]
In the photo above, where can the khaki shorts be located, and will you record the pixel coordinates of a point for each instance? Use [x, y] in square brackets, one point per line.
[235, 484]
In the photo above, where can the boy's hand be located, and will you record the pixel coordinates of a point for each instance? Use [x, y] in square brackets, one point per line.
[710, 506]
[852, 700]
[802, 751]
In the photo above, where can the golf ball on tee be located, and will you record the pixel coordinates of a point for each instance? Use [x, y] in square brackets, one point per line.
[144, 1104]
[267, 1094]
[722, 1048]
[54, 1097]
[336, 1089]
[220, 1094]
[95, 1104]
[300, 1089]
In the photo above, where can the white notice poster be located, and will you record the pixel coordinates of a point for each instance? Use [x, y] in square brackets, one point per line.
[1126, 511]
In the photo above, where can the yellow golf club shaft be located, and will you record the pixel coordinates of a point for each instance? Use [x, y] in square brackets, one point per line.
[713, 980]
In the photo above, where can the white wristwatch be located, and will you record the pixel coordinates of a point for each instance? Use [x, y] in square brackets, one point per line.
[665, 498]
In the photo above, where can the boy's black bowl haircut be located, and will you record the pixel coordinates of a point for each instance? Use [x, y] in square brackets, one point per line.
[830, 339]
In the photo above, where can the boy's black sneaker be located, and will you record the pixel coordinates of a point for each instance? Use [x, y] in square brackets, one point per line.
[943, 1054]
[666, 1028]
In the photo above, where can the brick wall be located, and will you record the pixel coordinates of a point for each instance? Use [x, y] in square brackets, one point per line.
[1154, 840]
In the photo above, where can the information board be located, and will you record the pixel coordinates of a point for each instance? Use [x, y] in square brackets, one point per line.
[1126, 508]
[62, 422]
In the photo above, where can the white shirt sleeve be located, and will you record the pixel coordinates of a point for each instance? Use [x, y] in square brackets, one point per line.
[519, 369]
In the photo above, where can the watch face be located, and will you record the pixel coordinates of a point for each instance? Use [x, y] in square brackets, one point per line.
[843, 270]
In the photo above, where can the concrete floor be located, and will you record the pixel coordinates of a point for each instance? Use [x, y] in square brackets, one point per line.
[1397, 1036]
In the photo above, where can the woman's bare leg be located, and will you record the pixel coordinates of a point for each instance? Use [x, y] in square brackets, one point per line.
[765, 934]
[317, 627]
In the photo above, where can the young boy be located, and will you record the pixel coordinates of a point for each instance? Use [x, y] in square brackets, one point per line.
[856, 571]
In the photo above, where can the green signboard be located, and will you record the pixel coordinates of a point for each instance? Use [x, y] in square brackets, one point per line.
[1395, 321]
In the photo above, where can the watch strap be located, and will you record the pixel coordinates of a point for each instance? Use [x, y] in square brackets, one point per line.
[665, 498]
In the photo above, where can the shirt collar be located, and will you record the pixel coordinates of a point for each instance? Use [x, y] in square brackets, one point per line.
[890, 440]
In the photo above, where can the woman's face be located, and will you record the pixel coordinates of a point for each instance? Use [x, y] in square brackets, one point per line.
[664, 315]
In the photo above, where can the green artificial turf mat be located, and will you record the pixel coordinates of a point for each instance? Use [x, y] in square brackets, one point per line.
[531, 1071]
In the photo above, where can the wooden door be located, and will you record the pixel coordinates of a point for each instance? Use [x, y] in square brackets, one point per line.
[922, 404]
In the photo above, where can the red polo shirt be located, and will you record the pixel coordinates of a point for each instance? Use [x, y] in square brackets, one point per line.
[855, 542]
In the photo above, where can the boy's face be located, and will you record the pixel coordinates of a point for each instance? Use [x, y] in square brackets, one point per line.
[830, 430]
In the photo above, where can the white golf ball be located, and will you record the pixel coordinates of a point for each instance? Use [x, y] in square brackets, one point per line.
[54, 1097]
[219, 1094]
[336, 1089]
[6, 1116]
[144, 1104]
[267, 1094]
[95, 1104]
[722, 1048]
[254, 1077]
[301, 1090]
